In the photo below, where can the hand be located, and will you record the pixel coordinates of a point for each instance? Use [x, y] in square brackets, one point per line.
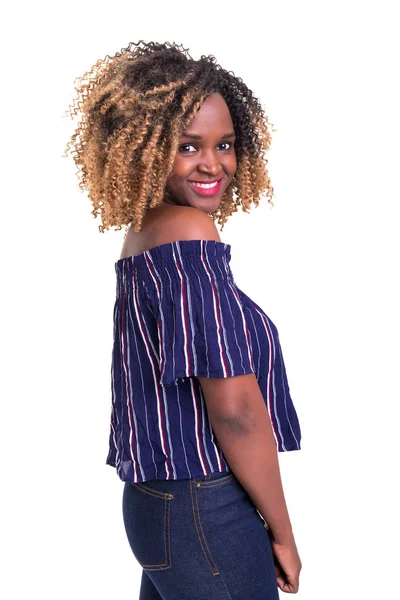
[287, 564]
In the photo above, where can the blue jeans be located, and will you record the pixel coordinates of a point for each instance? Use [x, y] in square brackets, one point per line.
[199, 539]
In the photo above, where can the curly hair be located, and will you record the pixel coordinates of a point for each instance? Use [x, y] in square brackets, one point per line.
[133, 108]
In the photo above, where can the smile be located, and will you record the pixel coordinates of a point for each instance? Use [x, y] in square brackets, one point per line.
[206, 186]
[206, 189]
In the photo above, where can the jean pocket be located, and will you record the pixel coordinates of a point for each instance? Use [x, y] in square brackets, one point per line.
[146, 513]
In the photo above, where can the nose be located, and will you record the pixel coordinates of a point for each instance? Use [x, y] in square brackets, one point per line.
[210, 162]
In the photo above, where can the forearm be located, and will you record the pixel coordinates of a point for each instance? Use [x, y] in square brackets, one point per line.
[248, 444]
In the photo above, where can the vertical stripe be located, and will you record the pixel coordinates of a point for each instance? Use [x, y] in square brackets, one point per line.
[159, 285]
[157, 392]
[135, 302]
[114, 413]
[182, 433]
[272, 413]
[177, 390]
[216, 311]
[254, 329]
[128, 402]
[188, 370]
[133, 418]
[284, 396]
[245, 328]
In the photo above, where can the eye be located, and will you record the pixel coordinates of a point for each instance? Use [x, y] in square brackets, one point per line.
[229, 144]
[184, 147]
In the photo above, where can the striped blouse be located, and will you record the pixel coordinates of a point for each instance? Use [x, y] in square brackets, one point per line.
[179, 315]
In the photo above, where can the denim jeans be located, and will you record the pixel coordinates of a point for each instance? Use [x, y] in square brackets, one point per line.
[198, 539]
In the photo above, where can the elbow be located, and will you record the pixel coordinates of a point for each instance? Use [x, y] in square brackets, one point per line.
[237, 423]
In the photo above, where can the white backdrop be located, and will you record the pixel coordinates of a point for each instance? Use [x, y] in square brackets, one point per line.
[327, 74]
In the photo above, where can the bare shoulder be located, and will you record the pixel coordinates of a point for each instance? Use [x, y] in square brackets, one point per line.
[185, 223]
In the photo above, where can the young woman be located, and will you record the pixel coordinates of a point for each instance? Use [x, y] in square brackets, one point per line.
[168, 145]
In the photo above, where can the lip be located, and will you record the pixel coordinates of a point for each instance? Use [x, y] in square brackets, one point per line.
[207, 191]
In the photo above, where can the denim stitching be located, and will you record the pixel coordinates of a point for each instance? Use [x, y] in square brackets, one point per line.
[167, 564]
[197, 529]
[152, 492]
[168, 533]
[205, 547]
[214, 483]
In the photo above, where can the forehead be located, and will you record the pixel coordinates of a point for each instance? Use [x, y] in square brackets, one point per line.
[213, 113]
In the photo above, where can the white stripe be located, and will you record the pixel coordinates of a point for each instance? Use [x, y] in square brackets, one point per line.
[156, 389]
[179, 268]
[215, 310]
[113, 392]
[273, 385]
[284, 395]
[182, 312]
[257, 340]
[203, 320]
[226, 341]
[196, 427]
[136, 308]
[160, 293]
[186, 281]
[174, 332]
[135, 476]
[275, 394]
[181, 428]
[270, 373]
[203, 421]
[176, 386]
[194, 353]
[137, 442]
[224, 275]
[233, 286]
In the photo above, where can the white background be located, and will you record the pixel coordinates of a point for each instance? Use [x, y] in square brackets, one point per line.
[323, 264]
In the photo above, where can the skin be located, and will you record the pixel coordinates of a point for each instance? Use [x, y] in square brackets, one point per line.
[210, 157]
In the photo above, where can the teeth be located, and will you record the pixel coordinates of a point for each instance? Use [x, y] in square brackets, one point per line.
[205, 185]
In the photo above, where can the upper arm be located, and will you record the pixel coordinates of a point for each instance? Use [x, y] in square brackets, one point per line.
[186, 223]
[231, 397]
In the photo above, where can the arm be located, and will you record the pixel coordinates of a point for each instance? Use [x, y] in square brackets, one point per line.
[241, 422]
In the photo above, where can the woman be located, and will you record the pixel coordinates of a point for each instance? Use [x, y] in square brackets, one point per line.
[200, 398]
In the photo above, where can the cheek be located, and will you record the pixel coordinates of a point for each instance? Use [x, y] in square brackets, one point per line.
[182, 167]
[232, 165]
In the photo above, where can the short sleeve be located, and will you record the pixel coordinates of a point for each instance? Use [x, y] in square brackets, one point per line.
[201, 324]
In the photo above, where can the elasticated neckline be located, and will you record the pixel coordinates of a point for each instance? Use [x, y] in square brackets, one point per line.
[167, 252]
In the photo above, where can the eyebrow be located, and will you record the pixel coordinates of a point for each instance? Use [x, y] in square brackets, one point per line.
[193, 136]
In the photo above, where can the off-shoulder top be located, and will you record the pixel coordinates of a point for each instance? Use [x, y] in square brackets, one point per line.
[179, 315]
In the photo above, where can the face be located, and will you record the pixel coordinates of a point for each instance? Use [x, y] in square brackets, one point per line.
[205, 161]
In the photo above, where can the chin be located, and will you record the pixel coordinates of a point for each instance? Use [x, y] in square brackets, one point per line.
[208, 205]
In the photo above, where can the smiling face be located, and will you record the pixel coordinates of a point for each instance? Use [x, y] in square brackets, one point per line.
[205, 161]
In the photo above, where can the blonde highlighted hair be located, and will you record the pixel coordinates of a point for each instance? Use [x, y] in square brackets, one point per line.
[134, 106]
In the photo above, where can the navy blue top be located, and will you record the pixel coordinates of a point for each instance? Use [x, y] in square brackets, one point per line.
[179, 315]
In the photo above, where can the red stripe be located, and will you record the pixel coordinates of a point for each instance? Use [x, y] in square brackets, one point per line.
[158, 389]
[194, 392]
